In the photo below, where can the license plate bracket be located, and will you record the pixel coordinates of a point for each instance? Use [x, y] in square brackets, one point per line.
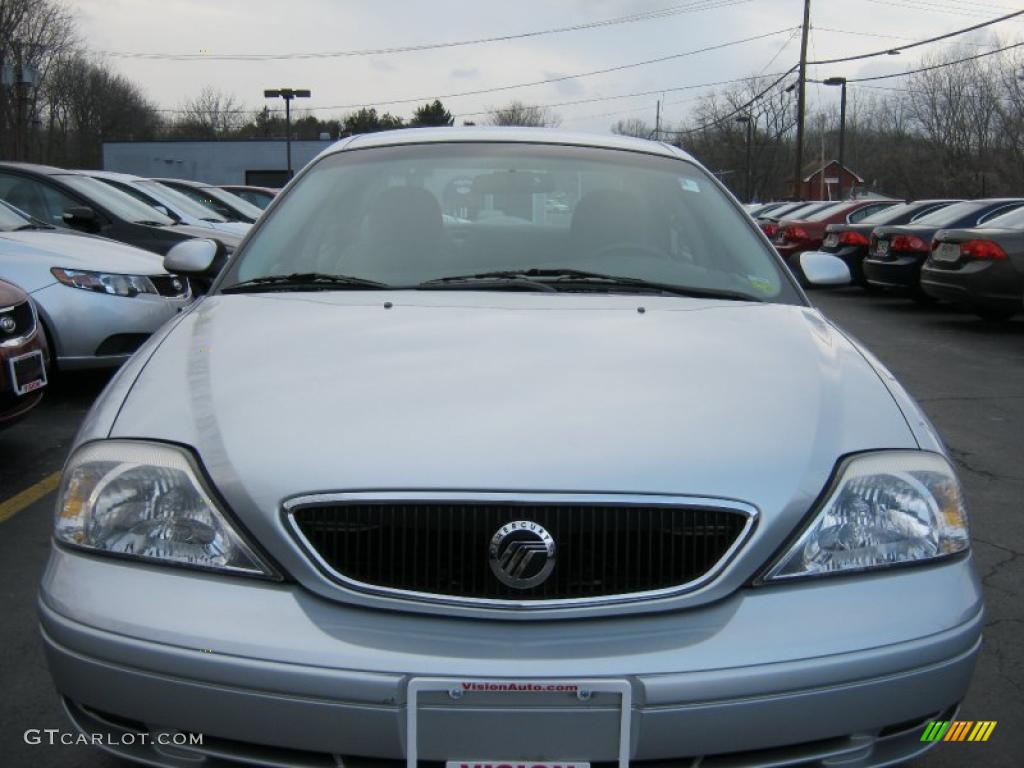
[28, 372]
[947, 252]
[583, 689]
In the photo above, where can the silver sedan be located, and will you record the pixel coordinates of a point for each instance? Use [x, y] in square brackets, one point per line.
[439, 471]
[98, 299]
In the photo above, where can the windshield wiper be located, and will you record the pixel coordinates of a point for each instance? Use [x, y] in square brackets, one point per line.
[553, 278]
[32, 226]
[156, 223]
[303, 281]
[505, 280]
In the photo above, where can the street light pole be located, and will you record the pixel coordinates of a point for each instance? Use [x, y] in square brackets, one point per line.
[748, 191]
[287, 94]
[841, 81]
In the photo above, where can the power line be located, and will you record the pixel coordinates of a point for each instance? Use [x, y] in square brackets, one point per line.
[661, 13]
[560, 78]
[908, 46]
[936, 66]
[933, 7]
[884, 36]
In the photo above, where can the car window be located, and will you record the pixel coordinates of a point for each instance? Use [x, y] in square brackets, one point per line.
[36, 198]
[407, 214]
[1001, 211]
[820, 214]
[1013, 219]
[862, 213]
[888, 214]
[951, 214]
[114, 200]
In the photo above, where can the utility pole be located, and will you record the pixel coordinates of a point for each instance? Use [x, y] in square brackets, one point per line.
[842, 128]
[749, 121]
[801, 103]
[287, 94]
[657, 122]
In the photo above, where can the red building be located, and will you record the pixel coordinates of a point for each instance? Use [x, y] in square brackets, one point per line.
[822, 183]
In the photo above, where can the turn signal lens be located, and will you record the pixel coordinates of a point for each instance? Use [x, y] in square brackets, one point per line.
[986, 250]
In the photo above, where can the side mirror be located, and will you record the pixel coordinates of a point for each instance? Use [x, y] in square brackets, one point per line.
[81, 217]
[824, 269]
[191, 257]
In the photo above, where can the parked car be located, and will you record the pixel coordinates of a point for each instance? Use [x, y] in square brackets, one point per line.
[850, 241]
[258, 196]
[23, 354]
[897, 253]
[769, 222]
[171, 202]
[73, 200]
[606, 492]
[982, 268]
[222, 202]
[98, 300]
[806, 231]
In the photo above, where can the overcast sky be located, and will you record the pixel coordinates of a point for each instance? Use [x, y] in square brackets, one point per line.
[300, 26]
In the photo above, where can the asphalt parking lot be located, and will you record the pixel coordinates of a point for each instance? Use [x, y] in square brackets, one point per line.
[969, 376]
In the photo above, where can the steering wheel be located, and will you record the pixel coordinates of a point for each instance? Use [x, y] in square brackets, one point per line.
[613, 248]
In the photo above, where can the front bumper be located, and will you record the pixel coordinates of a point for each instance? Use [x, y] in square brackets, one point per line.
[94, 330]
[853, 256]
[986, 285]
[842, 665]
[901, 272]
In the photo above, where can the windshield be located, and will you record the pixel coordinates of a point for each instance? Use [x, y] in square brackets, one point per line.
[120, 204]
[11, 218]
[404, 215]
[177, 200]
[950, 214]
[244, 207]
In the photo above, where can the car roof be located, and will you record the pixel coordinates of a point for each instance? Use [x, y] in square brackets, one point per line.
[186, 182]
[113, 175]
[46, 170]
[445, 135]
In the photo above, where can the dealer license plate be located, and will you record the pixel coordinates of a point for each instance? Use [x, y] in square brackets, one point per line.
[28, 372]
[882, 248]
[947, 252]
[831, 241]
[512, 764]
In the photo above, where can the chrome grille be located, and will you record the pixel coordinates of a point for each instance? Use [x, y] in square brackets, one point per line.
[22, 318]
[440, 548]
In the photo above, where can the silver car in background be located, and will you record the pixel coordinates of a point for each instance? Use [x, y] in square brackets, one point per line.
[98, 300]
[439, 471]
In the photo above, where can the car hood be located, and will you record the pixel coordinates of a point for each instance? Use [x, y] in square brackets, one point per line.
[294, 393]
[31, 253]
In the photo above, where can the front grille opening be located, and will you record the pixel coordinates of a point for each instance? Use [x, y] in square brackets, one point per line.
[443, 548]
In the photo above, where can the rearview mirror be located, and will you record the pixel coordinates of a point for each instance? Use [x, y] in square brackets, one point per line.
[191, 257]
[824, 269]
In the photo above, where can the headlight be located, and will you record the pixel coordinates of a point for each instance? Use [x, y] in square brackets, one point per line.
[148, 501]
[102, 282]
[886, 508]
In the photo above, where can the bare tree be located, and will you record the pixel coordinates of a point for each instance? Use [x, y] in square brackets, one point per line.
[211, 114]
[528, 115]
[634, 126]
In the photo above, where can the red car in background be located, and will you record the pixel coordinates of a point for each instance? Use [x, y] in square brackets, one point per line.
[23, 355]
[769, 222]
[796, 235]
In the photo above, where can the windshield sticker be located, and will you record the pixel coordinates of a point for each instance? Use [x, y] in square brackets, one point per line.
[690, 185]
[760, 284]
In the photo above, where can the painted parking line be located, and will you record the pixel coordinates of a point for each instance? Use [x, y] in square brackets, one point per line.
[29, 496]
